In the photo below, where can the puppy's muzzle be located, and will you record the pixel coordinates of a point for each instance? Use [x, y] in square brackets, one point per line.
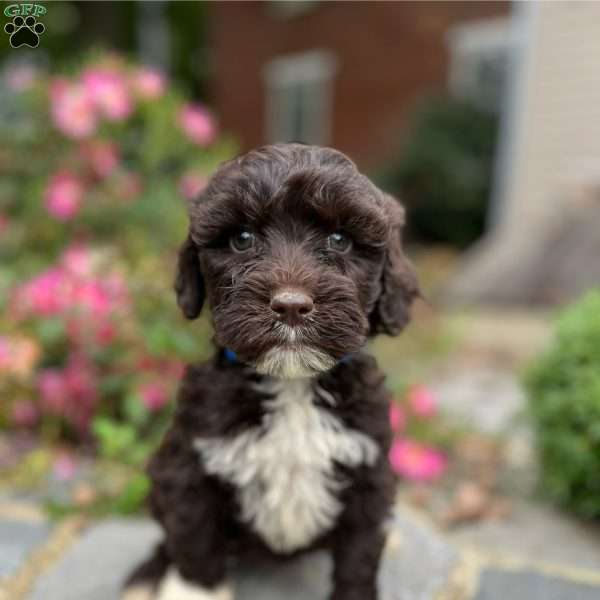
[291, 306]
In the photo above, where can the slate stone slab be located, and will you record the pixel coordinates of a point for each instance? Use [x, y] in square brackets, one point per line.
[532, 530]
[94, 567]
[307, 577]
[497, 584]
[416, 565]
[417, 562]
[17, 540]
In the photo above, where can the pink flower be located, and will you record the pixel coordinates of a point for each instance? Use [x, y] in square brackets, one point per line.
[72, 287]
[53, 391]
[191, 184]
[93, 297]
[89, 300]
[93, 306]
[64, 196]
[416, 461]
[70, 392]
[77, 260]
[422, 401]
[154, 396]
[102, 156]
[80, 379]
[72, 109]
[44, 295]
[198, 124]
[397, 417]
[24, 413]
[109, 93]
[105, 333]
[149, 83]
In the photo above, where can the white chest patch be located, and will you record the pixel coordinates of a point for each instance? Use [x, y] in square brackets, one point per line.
[284, 469]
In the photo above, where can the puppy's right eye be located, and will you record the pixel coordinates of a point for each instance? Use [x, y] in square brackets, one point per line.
[242, 240]
[340, 242]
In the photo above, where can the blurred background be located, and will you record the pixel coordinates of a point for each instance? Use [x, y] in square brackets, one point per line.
[482, 117]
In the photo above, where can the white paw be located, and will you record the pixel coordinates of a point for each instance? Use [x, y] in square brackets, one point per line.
[138, 592]
[174, 587]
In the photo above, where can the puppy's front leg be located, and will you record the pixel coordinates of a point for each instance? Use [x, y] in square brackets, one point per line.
[359, 539]
[191, 508]
[197, 552]
[356, 556]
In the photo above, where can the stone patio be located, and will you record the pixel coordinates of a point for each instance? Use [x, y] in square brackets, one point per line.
[39, 561]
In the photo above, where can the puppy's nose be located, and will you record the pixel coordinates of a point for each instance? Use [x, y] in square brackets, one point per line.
[291, 306]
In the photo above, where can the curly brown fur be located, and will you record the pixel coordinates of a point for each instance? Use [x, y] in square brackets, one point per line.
[209, 497]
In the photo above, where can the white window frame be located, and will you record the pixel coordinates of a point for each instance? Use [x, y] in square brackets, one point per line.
[300, 82]
[470, 44]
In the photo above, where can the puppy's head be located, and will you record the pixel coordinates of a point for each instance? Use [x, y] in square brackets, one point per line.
[300, 258]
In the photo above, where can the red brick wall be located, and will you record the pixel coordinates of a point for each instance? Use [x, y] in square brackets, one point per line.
[389, 54]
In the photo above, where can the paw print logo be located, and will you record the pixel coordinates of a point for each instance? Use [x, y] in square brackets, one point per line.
[24, 32]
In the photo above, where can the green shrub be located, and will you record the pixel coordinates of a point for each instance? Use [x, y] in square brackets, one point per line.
[444, 171]
[564, 387]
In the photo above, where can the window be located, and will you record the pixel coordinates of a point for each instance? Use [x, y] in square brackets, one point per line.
[300, 97]
[480, 55]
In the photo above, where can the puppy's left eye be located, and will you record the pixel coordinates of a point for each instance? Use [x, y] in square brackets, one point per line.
[242, 240]
[339, 241]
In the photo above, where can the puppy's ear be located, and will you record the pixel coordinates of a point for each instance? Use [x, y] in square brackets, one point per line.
[399, 285]
[189, 283]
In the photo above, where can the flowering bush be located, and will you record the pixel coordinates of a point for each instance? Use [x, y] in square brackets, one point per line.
[96, 168]
[412, 455]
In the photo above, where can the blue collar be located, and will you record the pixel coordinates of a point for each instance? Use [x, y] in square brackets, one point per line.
[232, 359]
[230, 356]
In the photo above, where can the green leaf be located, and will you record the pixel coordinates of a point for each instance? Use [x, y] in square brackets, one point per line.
[132, 498]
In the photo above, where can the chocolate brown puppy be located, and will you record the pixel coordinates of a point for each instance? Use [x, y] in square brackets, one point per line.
[279, 443]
